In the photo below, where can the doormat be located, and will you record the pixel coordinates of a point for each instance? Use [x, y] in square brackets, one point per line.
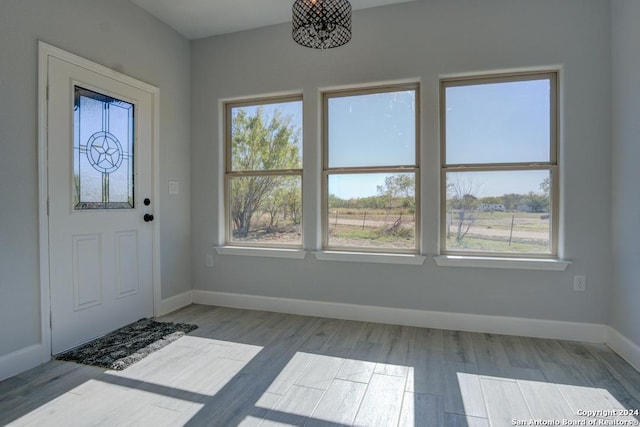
[127, 345]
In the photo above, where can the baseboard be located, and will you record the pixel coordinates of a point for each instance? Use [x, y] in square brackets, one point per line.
[19, 361]
[537, 328]
[174, 303]
[626, 348]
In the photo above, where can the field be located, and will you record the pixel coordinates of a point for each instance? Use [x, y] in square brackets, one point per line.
[372, 228]
[518, 232]
[284, 232]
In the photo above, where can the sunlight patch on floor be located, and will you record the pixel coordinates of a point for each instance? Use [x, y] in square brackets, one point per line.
[518, 399]
[329, 389]
[163, 387]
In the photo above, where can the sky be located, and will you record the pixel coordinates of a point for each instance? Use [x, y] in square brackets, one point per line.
[497, 123]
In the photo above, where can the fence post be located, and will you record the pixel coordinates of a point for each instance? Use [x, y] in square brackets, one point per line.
[513, 217]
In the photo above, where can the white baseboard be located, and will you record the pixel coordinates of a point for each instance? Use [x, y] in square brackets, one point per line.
[626, 348]
[174, 303]
[537, 328]
[19, 361]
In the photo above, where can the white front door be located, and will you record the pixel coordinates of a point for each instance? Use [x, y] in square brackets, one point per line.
[99, 159]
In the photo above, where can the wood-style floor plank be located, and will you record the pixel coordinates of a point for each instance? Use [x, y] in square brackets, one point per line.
[545, 400]
[458, 347]
[256, 368]
[339, 404]
[519, 354]
[457, 420]
[294, 407]
[463, 391]
[420, 409]
[504, 402]
[382, 401]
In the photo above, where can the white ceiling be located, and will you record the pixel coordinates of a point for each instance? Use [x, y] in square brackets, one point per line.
[202, 18]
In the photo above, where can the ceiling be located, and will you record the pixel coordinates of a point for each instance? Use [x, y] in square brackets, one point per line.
[195, 19]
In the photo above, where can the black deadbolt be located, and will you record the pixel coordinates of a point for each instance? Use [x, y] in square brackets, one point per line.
[147, 202]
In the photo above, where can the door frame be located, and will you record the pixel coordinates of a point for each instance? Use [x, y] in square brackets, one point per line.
[46, 51]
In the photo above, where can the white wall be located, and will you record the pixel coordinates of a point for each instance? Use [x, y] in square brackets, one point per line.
[116, 34]
[421, 40]
[625, 317]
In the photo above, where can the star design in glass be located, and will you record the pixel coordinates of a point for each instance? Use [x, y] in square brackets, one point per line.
[106, 152]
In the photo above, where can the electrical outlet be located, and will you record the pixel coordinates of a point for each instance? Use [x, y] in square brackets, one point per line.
[579, 283]
[209, 261]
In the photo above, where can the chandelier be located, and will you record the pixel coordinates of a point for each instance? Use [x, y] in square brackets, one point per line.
[321, 24]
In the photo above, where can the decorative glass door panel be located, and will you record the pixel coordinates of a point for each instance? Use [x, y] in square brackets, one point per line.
[103, 151]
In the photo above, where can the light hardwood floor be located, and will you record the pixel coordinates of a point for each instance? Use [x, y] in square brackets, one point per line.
[250, 368]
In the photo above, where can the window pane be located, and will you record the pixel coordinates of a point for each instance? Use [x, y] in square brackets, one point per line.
[505, 122]
[266, 209]
[372, 211]
[506, 211]
[372, 130]
[266, 137]
[103, 151]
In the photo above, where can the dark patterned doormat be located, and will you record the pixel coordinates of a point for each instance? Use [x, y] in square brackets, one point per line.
[127, 345]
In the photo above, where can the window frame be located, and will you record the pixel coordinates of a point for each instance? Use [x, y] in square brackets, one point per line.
[551, 165]
[229, 173]
[355, 170]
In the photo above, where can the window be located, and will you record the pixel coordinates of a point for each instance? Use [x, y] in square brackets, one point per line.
[103, 129]
[499, 165]
[371, 169]
[263, 180]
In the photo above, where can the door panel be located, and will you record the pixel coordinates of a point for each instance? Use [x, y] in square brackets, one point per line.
[87, 274]
[99, 170]
[127, 265]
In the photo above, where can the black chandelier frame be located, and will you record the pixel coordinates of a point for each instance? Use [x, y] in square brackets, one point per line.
[321, 24]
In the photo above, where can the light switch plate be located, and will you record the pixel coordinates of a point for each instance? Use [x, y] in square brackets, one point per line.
[174, 187]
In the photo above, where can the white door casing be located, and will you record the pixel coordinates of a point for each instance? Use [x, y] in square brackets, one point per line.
[101, 263]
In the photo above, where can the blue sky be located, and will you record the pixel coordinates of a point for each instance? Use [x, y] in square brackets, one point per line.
[498, 123]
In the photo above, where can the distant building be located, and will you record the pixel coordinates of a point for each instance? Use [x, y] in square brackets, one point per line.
[524, 207]
[492, 207]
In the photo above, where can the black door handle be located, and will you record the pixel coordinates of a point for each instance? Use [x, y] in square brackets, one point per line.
[147, 217]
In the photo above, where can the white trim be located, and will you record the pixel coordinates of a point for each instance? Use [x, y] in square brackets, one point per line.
[261, 252]
[43, 202]
[49, 50]
[538, 328]
[378, 258]
[44, 52]
[489, 73]
[155, 190]
[506, 263]
[626, 348]
[19, 361]
[174, 303]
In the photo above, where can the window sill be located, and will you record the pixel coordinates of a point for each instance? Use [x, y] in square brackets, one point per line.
[378, 258]
[261, 252]
[506, 263]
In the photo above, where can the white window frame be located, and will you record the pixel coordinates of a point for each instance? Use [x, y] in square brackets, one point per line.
[230, 173]
[327, 171]
[551, 165]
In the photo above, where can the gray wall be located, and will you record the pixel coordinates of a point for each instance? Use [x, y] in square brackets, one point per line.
[421, 40]
[119, 35]
[625, 315]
